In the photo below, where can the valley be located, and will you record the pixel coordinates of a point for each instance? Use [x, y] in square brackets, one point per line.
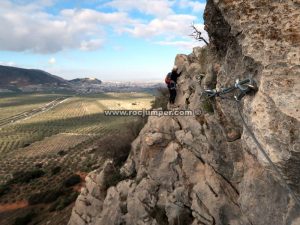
[48, 139]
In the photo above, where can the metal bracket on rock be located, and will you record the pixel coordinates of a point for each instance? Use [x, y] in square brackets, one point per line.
[244, 87]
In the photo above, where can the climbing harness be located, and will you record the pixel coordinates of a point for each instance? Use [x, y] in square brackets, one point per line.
[246, 87]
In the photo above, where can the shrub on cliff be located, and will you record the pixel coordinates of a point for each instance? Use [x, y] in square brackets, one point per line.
[135, 127]
[24, 220]
[161, 99]
[116, 147]
[113, 178]
[45, 197]
[4, 189]
[26, 176]
[207, 106]
[72, 180]
[55, 170]
[64, 201]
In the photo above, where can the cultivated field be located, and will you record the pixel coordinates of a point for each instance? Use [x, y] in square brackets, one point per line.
[13, 104]
[53, 144]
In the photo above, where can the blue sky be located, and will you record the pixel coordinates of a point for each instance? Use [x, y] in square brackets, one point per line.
[107, 39]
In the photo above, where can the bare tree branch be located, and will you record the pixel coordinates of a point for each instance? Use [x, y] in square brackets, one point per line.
[197, 34]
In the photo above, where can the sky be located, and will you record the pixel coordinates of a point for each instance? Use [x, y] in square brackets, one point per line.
[106, 39]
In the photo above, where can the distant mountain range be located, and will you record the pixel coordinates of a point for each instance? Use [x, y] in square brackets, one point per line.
[18, 77]
[13, 77]
[86, 81]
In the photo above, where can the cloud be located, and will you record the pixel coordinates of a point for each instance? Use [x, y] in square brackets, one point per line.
[173, 30]
[171, 26]
[182, 44]
[196, 6]
[25, 26]
[92, 17]
[91, 45]
[8, 63]
[29, 28]
[159, 8]
[52, 61]
[118, 48]
[182, 41]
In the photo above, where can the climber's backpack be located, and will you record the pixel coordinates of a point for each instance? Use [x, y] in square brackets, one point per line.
[168, 79]
[172, 85]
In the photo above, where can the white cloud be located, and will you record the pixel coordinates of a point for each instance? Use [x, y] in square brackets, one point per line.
[7, 63]
[194, 5]
[93, 17]
[52, 61]
[29, 28]
[159, 8]
[186, 45]
[172, 30]
[91, 44]
[180, 32]
[171, 26]
[118, 48]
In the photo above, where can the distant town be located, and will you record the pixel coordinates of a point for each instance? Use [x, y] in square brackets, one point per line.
[111, 86]
[114, 86]
[14, 79]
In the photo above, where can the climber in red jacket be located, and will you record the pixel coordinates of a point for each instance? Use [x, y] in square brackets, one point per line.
[171, 81]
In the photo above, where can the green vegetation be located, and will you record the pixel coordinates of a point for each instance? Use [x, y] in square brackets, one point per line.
[80, 115]
[4, 189]
[113, 178]
[12, 104]
[63, 202]
[117, 148]
[45, 157]
[55, 170]
[24, 220]
[45, 197]
[161, 99]
[26, 176]
[207, 106]
[136, 125]
[72, 180]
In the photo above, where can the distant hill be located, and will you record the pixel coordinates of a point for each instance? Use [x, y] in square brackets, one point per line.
[18, 77]
[87, 81]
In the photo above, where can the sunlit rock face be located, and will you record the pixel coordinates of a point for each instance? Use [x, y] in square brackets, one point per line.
[206, 168]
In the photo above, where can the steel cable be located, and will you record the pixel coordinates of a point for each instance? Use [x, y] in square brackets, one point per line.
[266, 155]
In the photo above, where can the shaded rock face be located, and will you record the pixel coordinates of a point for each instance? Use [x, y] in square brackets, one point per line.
[206, 169]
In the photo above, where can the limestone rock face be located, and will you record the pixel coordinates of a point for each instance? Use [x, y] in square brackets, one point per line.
[206, 168]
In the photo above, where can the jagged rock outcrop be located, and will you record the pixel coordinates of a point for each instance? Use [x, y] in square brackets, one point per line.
[206, 169]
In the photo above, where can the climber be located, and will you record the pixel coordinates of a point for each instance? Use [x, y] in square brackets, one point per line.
[171, 81]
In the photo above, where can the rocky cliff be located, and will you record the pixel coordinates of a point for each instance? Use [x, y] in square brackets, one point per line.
[206, 169]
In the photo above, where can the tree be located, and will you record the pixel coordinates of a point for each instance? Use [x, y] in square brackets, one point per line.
[197, 34]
